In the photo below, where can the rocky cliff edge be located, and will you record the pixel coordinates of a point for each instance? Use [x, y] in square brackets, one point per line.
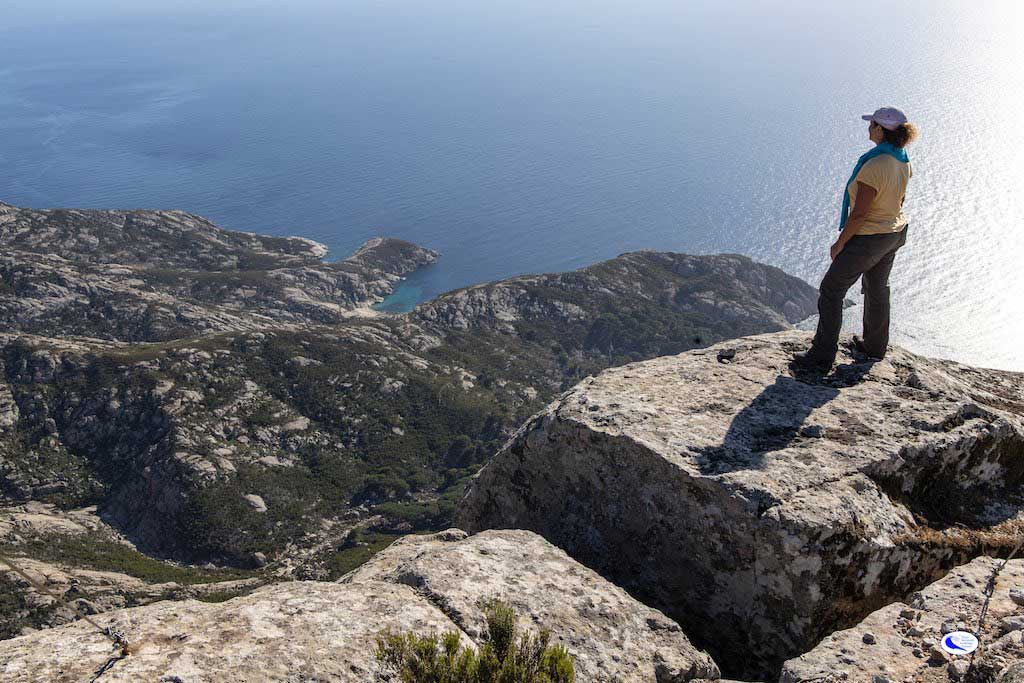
[763, 509]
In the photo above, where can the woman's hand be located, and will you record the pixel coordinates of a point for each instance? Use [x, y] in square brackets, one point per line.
[836, 248]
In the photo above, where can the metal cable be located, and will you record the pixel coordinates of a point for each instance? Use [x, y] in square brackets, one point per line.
[118, 638]
[989, 590]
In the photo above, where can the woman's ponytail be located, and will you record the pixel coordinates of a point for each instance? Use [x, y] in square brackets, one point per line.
[902, 136]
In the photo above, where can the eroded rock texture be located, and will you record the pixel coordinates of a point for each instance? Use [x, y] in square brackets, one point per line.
[611, 636]
[760, 509]
[70, 563]
[300, 631]
[222, 396]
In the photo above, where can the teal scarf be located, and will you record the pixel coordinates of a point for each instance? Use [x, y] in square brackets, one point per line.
[880, 149]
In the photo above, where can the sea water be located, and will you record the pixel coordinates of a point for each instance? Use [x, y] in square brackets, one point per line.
[541, 135]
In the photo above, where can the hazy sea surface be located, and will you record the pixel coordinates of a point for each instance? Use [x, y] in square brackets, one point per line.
[539, 135]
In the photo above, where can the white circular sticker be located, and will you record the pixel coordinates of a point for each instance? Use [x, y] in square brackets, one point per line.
[959, 643]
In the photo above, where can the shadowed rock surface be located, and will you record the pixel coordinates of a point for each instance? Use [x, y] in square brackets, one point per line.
[759, 509]
[610, 635]
[217, 395]
[76, 564]
[901, 641]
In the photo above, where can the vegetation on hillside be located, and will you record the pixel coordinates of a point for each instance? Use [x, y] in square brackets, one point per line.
[381, 420]
[101, 554]
[16, 613]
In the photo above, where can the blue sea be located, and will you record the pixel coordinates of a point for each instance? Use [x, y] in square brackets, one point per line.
[536, 136]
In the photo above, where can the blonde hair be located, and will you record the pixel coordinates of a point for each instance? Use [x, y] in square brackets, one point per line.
[902, 136]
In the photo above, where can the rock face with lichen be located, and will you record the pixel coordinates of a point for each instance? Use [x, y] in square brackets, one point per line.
[207, 395]
[902, 641]
[327, 631]
[763, 509]
[224, 397]
[72, 563]
[298, 631]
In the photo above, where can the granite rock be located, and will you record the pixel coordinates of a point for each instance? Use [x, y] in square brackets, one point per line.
[298, 631]
[9, 412]
[763, 509]
[160, 275]
[313, 631]
[150, 362]
[611, 636]
[1012, 674]
[723, 289]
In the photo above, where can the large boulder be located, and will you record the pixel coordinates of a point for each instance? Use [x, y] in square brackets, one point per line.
[301, 631]
[763, 509]
[319, 632]
[611, 636]
[902, 641]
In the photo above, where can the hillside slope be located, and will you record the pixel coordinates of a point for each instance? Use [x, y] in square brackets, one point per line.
[226, 397]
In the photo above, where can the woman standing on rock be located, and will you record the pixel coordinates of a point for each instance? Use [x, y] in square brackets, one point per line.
[872, 228]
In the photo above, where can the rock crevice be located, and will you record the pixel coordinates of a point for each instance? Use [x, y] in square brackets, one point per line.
[902, 641]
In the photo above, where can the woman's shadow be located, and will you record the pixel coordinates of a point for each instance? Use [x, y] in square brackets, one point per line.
[776, 417]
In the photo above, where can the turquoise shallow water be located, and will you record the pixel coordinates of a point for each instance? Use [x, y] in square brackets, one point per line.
[539, 136]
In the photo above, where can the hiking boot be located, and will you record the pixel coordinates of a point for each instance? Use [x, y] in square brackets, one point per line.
[858, 345]
[809, 361]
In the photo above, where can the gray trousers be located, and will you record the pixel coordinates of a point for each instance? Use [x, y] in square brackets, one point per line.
[869, 257]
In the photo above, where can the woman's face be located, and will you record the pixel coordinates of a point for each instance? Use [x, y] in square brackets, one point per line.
[875, 132]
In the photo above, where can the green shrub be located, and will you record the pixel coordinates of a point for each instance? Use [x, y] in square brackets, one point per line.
[502, 658]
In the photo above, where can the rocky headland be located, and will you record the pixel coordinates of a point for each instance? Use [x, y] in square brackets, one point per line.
[148, 276]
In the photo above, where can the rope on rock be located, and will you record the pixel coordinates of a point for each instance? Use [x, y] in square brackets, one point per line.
[990, 588]
[117, 638]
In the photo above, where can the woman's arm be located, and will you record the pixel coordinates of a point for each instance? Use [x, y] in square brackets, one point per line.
[865, 195]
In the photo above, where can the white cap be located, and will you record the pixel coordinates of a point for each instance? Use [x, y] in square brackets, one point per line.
[889, 118]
